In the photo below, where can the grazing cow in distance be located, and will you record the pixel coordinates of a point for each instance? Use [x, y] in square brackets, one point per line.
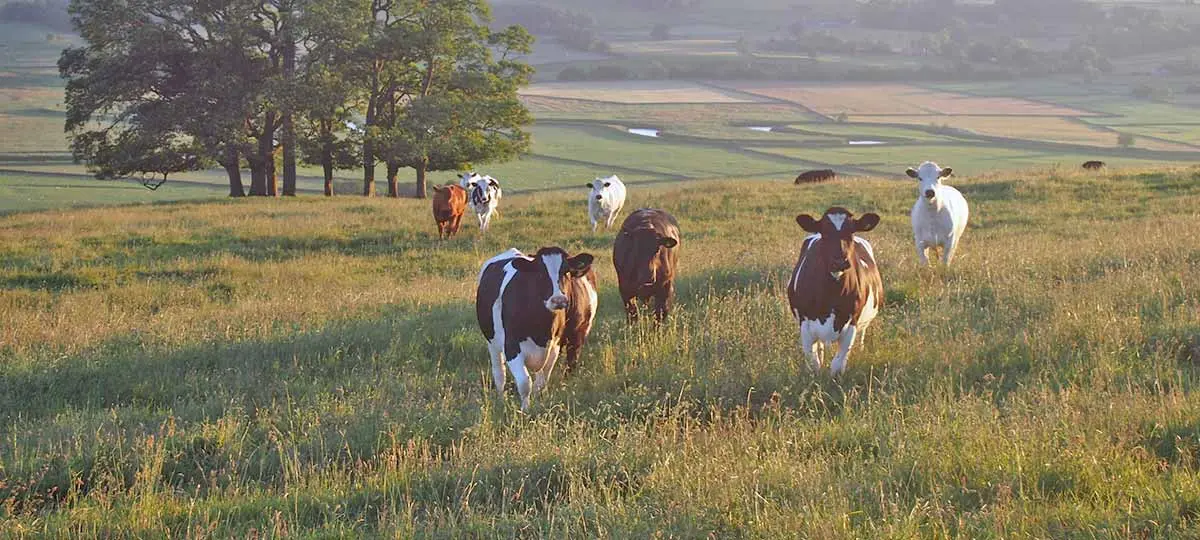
[645, 255]
[605, 201]
[483, 196]
[835, 290]
[940, 214]
[816, 175]
[532, 308]
[449, 202]
[1093, 165]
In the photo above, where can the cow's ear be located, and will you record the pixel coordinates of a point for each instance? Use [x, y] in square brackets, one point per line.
[579, 265]
[912, 172]
[867, 222]
[492, 181]
[807, 223]
[667, 242]
[437, 188]
[589, 185]
[525, 265]
[946, 172]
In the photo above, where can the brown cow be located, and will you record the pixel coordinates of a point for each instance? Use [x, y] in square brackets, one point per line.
[449, 203]
[645, 257]
[835, 290]
[817, 175]
[1093, 165]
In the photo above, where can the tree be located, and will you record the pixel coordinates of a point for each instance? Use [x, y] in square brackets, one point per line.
[660, 32]
[456, 102]
[1125, 140]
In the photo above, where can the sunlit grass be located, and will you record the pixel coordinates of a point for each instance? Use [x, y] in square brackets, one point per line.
[312, 366]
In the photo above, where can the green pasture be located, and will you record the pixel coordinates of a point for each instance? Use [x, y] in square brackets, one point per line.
[311, 367]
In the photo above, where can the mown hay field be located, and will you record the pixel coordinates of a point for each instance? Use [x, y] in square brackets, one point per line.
[311, 367]
[899, 99]
[636, 92]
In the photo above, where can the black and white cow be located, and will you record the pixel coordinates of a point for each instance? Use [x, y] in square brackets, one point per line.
[530, 309]
[483, 196]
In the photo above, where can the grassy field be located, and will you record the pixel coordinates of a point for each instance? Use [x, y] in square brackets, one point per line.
[898, 99]
[311, 367]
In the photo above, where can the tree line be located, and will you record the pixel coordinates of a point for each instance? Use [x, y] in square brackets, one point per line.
[163, 86]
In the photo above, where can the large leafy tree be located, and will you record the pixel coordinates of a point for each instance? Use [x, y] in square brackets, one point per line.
[455, 101]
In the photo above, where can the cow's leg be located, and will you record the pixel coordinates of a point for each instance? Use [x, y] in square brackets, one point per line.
[662, 301]
[496, 354]
[948, 250]
[542, 377]
[521, 377]
[631, 308]
[457, 222]
[482, 221]
[846, 343]
[594, 223]
[810, 346]
[921, 257]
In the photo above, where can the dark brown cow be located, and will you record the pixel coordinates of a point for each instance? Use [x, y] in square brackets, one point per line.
[835, 290]
[645, 255]
[818, 175]
[449, 203]
[530, 308]
[1093, 165]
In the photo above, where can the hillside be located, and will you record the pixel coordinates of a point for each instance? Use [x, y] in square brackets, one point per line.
[312, 367]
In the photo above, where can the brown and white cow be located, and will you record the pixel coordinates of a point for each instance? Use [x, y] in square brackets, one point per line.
[835, 290]
[531, 308]
[449, 203]
[645, 255]
[816, 175]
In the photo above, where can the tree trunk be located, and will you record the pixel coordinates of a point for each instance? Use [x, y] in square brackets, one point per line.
[288, 136]
[258, 177]
[368, 154]
[234, 171]
[327, 164]
[393, 170]
[421, 166]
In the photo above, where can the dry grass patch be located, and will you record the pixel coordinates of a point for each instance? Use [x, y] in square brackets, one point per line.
[636, 92]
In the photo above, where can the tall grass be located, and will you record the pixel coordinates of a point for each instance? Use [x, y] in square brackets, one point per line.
[312, 367]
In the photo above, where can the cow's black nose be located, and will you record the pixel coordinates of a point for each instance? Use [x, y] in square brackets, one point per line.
[929, 194]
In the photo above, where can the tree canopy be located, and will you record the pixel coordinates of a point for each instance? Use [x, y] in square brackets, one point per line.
[161, 87]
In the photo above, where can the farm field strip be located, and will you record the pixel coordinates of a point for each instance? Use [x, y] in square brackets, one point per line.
[832, 99]
[629, 92]
[1051, 129]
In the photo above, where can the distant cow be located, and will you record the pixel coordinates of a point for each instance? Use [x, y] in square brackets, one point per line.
[940, 214]
[449, 202]
[605, 201]
[530, 309]
[483, 196]
[645, 255]
[817, 175]
[1093, 165]
[835, 290]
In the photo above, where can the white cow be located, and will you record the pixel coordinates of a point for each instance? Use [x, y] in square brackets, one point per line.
[605, 201]
[483, 196]
[939, 216]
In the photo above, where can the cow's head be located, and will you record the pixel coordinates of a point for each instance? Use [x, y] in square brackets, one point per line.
[836, 246]
[557, 267]
[644, 246]
[466, 179]
[482, 189]
[930, 176]
[600, 187]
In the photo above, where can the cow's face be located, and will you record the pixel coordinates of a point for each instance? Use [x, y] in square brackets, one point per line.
[645, 245]
[836, 246]
[555, 268]
[600, 187]
[930, 177]
[468, 180]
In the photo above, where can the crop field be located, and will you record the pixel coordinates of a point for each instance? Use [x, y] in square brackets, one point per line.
[635, 92]
[897, 99]
[312, 367]
[678, 47]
